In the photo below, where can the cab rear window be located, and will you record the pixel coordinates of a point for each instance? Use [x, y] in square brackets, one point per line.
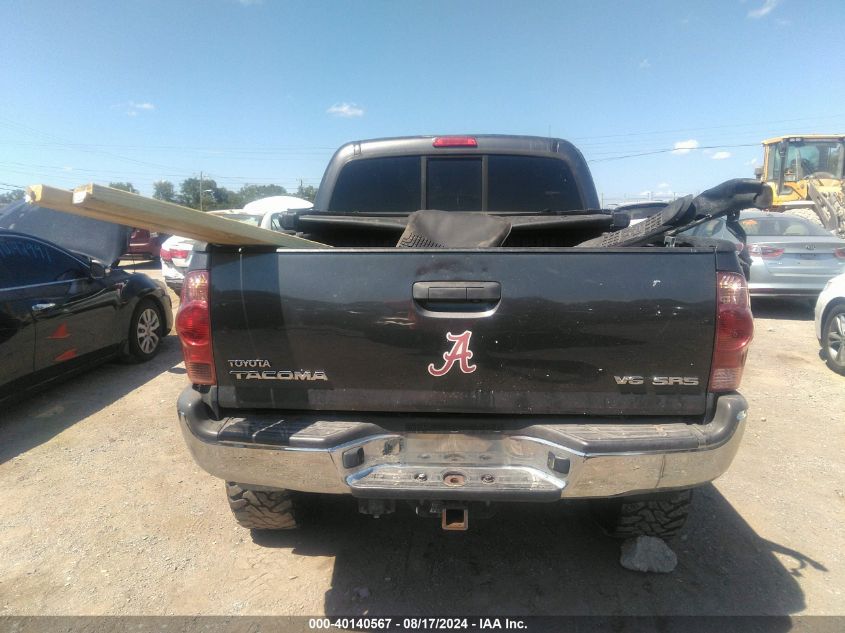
[378, 185]
[456, 183]
[530, 183]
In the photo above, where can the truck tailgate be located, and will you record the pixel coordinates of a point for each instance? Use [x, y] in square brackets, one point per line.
[505, 331]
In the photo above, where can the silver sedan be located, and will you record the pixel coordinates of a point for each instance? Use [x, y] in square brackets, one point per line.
[790, 256]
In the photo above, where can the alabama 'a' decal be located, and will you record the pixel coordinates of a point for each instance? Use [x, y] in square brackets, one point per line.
[460, 353]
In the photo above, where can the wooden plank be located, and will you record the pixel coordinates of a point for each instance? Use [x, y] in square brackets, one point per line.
[179, 220]
[51, 197]
[62, 200]
[121, 207]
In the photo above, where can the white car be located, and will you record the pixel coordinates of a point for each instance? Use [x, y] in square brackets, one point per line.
[176, 251]
[830, 323]
[277, 204]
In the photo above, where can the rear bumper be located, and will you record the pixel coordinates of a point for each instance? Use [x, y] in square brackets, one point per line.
[762, 283]
[173, 276]
[784, 292]
[175, 285]
[541, 462]
[151, 248]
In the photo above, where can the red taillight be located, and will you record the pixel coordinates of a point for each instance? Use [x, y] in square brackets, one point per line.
[455, 141]
[734, 331]
[839, 252]
[739, 246]
[193, 325]
[180, 253]
[165, 254]
[766, 252]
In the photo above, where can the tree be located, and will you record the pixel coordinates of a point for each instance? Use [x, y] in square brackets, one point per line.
[11, 196]
[164, 190]
[308, 192]
[123, 186]
[248, 193]
[213, 197]
[189, 192]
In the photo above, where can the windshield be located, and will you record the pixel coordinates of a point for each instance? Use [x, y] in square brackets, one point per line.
[247, 218]
[805, 158]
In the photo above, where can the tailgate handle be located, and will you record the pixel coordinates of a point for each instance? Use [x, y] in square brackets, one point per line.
[464, 292]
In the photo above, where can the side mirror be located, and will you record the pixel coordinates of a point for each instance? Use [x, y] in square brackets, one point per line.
[98, 271]
[758, 173]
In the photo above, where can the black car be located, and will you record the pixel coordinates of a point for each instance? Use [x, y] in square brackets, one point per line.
[66, 308]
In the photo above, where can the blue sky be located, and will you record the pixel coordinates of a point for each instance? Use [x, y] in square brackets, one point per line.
[264, 91]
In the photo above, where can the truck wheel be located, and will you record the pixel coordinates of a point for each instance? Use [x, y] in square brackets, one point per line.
[833, 339]
[661, 515]
[262, 509]
[146, 332]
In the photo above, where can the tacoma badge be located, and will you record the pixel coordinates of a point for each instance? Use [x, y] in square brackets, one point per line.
[283, 374]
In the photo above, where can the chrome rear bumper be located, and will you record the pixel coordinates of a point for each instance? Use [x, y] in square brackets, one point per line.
[542, 462]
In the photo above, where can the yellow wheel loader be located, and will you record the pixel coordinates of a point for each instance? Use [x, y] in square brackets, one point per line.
[806, 176]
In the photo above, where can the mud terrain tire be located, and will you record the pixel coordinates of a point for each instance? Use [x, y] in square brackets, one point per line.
[262, 509]
[660, 515]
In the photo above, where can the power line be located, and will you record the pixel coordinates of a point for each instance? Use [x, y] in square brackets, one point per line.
[670, 149]
[715, 127]
[61, 141]
[28, 168]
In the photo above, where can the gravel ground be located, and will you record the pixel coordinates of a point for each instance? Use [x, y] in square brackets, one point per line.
[102, 511]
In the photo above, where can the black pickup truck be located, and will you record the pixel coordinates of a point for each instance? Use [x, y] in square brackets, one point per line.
[578, 359]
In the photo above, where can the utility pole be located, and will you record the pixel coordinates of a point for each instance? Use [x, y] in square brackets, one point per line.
[200, 191]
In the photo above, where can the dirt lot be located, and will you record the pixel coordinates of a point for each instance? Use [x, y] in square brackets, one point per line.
[102, 511]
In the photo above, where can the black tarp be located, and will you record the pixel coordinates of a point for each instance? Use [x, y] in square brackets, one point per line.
[102, 241]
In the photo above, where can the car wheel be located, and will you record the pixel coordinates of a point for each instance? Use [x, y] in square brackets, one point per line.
[833, 339]
[146, 331]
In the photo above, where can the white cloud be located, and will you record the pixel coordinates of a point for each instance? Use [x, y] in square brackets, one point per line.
[721, 155]
[753, 162]
[663, 185]
[644, 64]
[133, 108]
[684, 147]
[345, 110]
[764, 9]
